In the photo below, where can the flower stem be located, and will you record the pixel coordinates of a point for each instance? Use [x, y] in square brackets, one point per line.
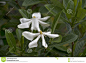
[72, 48]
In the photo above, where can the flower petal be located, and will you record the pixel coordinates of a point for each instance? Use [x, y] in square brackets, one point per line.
[51, 35]
[43, 42]
[34, 42]
[37, 15]
[46, 32]
[45, 18]
[24, 25]
[29, 35]
[23, 20]
[44, 24]
[35, 24]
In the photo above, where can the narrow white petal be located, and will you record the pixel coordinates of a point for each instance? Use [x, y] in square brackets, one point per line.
[23, 20]
[46, 32]
[29, 35]
[35, 24]
[43, 42]
[34, 42]
[45, 18]
[24, 25]
[51, 35]
[44, 24]
[37, 15]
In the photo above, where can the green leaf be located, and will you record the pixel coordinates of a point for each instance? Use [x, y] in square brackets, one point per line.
[68, 16]
[75, 3]
[84, 52]
[57, 17]
[23, 13]
[5, 47]
[19, 34]
[22, 43]
[57, 40]
[53, 9]
[12, 23]
[78, 47]
[10, 39]
[20, 38]
[77, 32]
[65, 2]
[69, 38]
[70, 5]
[79, 4]
[43, 9]
[83, 3]
[83, 38]
[68, 26]
[31, 2]
[62, 48]
[14, 4]
[81, 14]
[58, 52]
[64, 20]
[57, 3]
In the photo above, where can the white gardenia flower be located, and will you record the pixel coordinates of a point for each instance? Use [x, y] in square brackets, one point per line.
[31, 36]
[35, 20]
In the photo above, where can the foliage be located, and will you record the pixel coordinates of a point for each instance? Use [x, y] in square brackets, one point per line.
[67, 18]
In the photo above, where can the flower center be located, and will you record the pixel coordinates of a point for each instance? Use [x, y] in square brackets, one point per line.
[40, 32]
[34, 17]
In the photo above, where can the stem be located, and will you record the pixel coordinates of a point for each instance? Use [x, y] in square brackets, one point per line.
[73, 22]
[9, 11]
[72, 48]
[13, 7]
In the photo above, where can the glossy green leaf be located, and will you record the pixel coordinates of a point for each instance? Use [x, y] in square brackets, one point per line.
[22, 43]
[83, 3]
[70, 5]
[23, 13]
[20, 38]
[19, 34]
[14, 4]
[57, 17]
[58, 52]
[69, 38]
[65, 2]
[31, 2]
[62, 48]
[69, 29]
[75, 3]
[43, 9]
[78, 47]
[81, 14]
[53, 9]
[12, 23]
[57, 3]
[57, 40]
[79, 4]
[64, 20]
[84, 52]
[5, 47]
[10, 39]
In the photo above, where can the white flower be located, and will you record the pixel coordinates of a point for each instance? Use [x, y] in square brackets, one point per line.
[69, 11]
[31, 36]
[35, 20]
